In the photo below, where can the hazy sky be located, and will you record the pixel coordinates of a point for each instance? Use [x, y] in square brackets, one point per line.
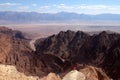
[54, 6]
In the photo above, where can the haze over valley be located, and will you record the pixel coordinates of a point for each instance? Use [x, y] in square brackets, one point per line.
[47, 29]
[45, 24]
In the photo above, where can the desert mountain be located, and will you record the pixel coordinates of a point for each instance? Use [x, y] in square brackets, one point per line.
[61, 52]
[15, 50]
[100, 50]
[11, 42]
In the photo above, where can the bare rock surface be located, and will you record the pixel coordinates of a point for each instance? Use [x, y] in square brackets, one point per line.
[93, 73]
[51, 76]
[60, 53]
[74, 75]
[87, 73]
[100, 50]
[8, 72]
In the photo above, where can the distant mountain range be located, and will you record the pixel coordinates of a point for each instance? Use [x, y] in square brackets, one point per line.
[34, 17]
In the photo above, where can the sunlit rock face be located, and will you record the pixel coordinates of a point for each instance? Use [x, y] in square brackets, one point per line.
[51, 76]
[8, 72]
[93, 73]
[87, 73]
[74, 75]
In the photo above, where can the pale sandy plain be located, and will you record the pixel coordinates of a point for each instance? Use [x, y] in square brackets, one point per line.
[47, 29]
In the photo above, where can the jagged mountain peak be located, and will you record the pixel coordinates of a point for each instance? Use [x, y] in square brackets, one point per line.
[61, 52]
[80, 47]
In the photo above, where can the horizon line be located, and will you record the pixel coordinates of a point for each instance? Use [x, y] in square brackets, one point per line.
[60, 12]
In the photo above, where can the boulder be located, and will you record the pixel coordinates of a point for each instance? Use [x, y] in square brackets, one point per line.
[74, 75]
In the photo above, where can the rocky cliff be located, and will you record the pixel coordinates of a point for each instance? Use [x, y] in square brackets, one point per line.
[100, 50]
[15, 50]
[61, 52]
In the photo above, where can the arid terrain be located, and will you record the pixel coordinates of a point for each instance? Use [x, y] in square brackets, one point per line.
[59, 39]
[63, 54]
[47, 29]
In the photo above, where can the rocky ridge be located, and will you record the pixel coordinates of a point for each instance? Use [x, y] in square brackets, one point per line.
[60, 53]
[100, 50]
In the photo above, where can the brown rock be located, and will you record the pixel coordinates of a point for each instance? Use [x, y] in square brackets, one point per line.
[51, 76]
[59, 53]
[93, 73]
[101, 50]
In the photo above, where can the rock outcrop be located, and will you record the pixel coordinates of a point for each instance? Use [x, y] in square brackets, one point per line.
[87, 73]
[8, 72]
[15, 50]
[11, 42]
[100, 50]
[93, 73]
[74, 75]
[60, 53]
[51, 76]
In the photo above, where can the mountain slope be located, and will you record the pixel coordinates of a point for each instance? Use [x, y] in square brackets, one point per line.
[60, 53]
[15, 50]
[101, 50]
